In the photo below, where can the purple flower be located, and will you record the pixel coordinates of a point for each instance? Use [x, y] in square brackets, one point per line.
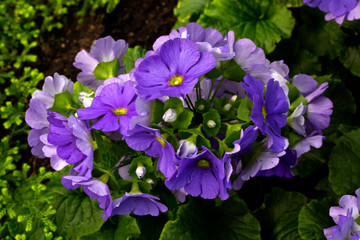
[94, 188]
[208, 40]
[251, 59]
[52, 86]
[268, 114]
[139, 204]
[104, 50]
[338, 10]
[304, 145]
[174, 71]
[344, 217]
[201, 175]
[72, 141]
[283, 169]
[112, 109]
[319, 108]
[150, 141]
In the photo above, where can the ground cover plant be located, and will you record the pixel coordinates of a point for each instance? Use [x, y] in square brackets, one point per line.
[248, 127]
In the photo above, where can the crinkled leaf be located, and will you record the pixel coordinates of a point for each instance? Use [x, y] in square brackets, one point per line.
[263, 21]
[131, 56]
[189, 11]
[244, 110]
[183, 120]
[76, 214]
[344, 164]
[211, 117]
[105, 70]
[200, 219]
[279, 220]
[314, 218]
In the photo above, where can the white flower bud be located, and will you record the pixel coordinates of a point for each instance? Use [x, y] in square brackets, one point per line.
[211, 124]
[233, 98]
[170, 115]
[85, 99]
[149, 181]
[140, 171]
[227, 107]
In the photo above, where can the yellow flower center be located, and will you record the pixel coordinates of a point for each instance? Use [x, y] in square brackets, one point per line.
[203, 163]
[176, 80]
[120, 111]
[161, 141]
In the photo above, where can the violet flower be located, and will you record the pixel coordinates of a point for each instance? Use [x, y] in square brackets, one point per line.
[112, 109]
[201, 175]
[104, 50]
[94, 188]
[268, 114]
[139, 204]
[174, 71]
[149, 140]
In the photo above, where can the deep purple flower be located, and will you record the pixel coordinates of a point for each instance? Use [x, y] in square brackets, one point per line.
[344, 217]
[73, 143]
[94, 188]
[268, 114]
[283, 168]
[319, 108]
[139, 204]
[201, 175]
[112, 109]
[149, 140]
[207, 40]
[251, 59]
[104, 50]
[174, 71]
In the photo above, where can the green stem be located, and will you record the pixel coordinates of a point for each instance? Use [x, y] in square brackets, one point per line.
[135, 188]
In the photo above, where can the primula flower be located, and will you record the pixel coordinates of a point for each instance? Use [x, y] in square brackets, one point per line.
[207, 40]
[139, 204]
[94, 188]
[72, 141]
[346, 217]
[201, 175]
[104, 50]
[174, 71]
[268, 114]
[149, 140]
[336, 9]
[112, 109]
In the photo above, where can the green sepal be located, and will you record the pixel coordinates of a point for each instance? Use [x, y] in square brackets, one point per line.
[183, 120]
[157, 111]
[78, 88]
[174, 103]
[213, 115]
[297, 103]
[131, 56]
[244, 109]
[202, 106]
[293, 92]
[105, 70]
[200, 138]
[63, 103]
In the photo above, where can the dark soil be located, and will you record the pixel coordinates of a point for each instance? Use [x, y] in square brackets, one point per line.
[138, 22]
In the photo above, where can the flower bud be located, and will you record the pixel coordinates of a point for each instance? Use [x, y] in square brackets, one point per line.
[140, 171]
[170, 115]
[201, 107]
[85, 99]
[186, 149]
[211, 124]
[227, 107]
[233, 98]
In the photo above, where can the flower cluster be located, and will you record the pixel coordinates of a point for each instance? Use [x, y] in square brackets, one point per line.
[175, 118]
[346, 217]
[338, 10]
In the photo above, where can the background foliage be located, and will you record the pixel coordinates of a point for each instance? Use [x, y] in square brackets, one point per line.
[33, 205]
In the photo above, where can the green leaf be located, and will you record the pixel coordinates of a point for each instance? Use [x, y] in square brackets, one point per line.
[351, 59]
[200, 138]
[131, 56]
[279, 220]
[125, 228]
[200, 219]
[290, 3]
[344, 164]
[78, 88]
[189, 11]
[111, 5]
[157, 111]
[174, 103]
[76, 214]
[211, 123]
[314, 218]
[63, 103]
[183, 120]
[105, 70]
[244, 110]
[263, 21]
